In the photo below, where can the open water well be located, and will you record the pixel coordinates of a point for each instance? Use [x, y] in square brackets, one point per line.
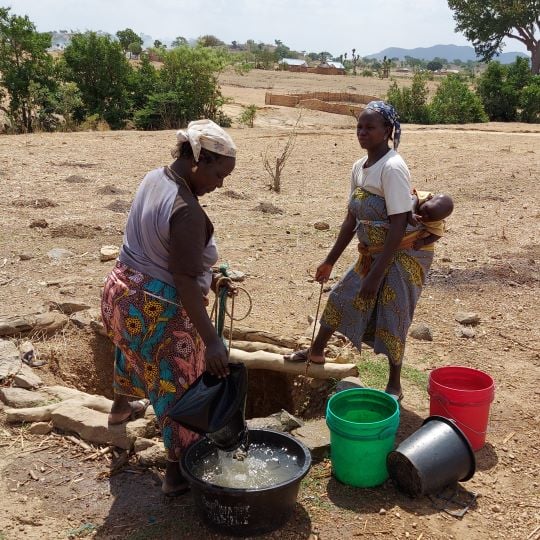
[249, 497]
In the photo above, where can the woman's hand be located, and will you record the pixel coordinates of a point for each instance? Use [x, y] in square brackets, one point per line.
[414, 220]
[370, 286]
[216, 358]
[322, 275]
[219, 281]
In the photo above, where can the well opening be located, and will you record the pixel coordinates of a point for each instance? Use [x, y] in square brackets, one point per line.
[85, 361]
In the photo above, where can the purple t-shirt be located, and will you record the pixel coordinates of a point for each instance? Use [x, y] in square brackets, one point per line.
[167, 231]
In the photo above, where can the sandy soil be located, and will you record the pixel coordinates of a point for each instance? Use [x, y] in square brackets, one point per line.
[488, 263]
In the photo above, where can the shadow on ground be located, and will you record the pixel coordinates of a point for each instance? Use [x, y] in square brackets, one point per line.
[139, 511]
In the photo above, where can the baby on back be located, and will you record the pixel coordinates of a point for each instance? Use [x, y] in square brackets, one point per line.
[429, 211]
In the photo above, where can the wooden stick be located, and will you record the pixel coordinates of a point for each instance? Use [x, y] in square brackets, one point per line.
[276, 362]
[254, 346]
[250, 334]
[508, 437]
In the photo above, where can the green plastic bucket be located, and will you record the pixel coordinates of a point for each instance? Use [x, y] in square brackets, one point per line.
[363, 424]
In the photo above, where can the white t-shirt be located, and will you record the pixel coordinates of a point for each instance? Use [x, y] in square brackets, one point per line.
[389, 177]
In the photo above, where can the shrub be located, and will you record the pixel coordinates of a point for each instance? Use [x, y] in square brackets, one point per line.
[248, 115]
[530, 101]
[95, 123]
[411, 103]
[367, 73]
[498, 95]
[454, 103]
[99, 68]
[188, 90]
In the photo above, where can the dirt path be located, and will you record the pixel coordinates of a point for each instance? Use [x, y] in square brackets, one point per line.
[487, 263]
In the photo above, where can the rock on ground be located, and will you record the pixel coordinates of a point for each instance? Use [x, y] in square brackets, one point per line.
[467, 317]
[26, 377]
[84, 319]
[348, 383]
[153, 456]
[10, 362]
[316, 436]
[91, 426]
[421, 331]
[108, 253]
[19, 398]
[40, 428]
[466, 332]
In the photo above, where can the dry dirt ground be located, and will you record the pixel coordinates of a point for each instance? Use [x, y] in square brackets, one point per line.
[488, 263]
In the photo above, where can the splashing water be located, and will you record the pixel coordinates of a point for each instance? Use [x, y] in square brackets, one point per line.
[262, 466]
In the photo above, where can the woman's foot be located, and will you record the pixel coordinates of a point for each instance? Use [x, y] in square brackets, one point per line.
[174, 483]
[397, 394]
[123, 410]
[303, 355]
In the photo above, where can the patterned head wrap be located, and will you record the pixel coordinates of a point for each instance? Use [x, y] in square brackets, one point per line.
[390, 115]
[207, 134]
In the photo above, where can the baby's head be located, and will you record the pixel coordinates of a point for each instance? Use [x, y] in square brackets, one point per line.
[438, 207]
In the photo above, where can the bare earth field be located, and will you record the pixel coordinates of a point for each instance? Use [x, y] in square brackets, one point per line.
[488, 263]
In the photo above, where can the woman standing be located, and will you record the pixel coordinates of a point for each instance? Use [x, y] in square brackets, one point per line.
[374, 302]
[154, 300]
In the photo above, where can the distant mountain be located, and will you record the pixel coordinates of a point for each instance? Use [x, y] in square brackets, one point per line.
[450, 52]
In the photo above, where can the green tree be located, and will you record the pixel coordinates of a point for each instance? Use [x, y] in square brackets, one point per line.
[411, 103]
[180, 41]
[281, 50]
[144, 82]
[26, 70]
[324, 56]
[434, 65]
[127, 37]
[264, 59]
[102, 73]
[529, 101]
[158, 44]
[486, 23]
[210, 41]
[454, 103]
[415, 63]
[499, 96]
[188, 89]
[68, 103]
[134, 48]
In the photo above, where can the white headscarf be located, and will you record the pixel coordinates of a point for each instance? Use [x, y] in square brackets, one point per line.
[207, 134]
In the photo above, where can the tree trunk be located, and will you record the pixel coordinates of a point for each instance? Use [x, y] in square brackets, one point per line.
[535, 58]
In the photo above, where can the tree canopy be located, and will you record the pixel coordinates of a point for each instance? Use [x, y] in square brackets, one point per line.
[26, 70]
[101, 71]
[127, 37]
[486, 23]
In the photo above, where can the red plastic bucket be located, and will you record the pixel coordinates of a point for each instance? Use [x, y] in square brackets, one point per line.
[464, 395]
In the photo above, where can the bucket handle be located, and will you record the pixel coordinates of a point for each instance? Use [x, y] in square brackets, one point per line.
[383, 434]
[444, 401]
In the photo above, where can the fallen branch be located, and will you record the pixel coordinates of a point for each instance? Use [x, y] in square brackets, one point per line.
[250, 334]
[254, 346]
[276, 362]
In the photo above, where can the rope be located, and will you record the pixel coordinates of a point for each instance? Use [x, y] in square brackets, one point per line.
[219, 309]
[308, 361]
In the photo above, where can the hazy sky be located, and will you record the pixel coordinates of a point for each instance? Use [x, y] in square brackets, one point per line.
[312, 25]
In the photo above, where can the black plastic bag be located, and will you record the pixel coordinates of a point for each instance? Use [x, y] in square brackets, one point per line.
[211, 404]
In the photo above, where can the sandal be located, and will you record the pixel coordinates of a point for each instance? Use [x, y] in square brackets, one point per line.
[299, 357]
[138, 410]
[397, 397]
